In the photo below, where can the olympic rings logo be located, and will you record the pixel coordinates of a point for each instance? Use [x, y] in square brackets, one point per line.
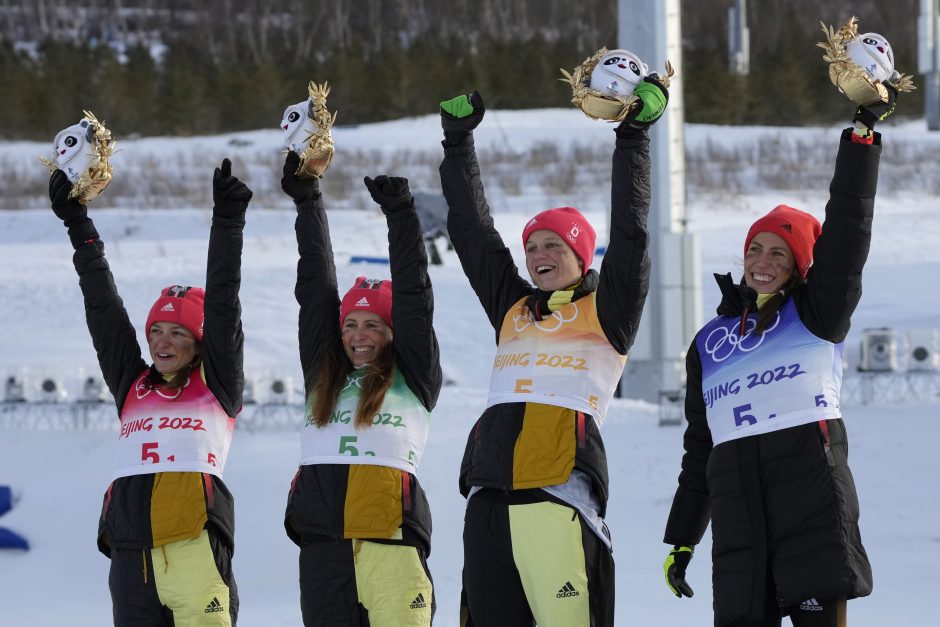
[721, 343]
[553, 323]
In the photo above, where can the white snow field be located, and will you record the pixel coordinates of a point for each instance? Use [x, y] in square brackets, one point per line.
[61, 474]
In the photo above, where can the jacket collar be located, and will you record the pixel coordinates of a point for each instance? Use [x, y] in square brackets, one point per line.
[538, 300]
[736, 298]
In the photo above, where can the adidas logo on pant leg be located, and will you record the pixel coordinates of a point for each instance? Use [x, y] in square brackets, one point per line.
[419, 602]
[567, 590]
[811, 605]
[214, 606]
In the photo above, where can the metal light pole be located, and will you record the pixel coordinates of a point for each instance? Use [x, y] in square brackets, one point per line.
[651, 29]
[928, 59]
[739, 39]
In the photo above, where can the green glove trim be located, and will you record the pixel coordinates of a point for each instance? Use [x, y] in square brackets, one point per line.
[458, 107]
[671, 560]
[887, 113]
[653, 100]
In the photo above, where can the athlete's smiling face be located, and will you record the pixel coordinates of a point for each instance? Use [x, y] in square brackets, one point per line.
[364, 335]
[171, 346]
[551, 262]
[768, 263]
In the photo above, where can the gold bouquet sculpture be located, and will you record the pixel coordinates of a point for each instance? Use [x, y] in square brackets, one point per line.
[602, 86]
[83, 151]
[307, 129]
[859, 64]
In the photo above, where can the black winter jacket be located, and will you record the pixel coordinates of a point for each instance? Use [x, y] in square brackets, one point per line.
[129, 504]
[315, 506]
[781, 506]
[488, 264]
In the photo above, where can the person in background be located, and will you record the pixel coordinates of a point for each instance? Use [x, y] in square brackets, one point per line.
[536, 548]
[167, 521]
[766, 454]
[372, 377]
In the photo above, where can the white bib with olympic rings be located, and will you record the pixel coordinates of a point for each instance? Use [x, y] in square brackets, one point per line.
[563, 360]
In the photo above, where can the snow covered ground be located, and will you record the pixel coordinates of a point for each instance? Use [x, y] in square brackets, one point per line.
[61, 474]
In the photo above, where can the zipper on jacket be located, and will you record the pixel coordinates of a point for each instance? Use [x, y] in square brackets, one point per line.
[210, 490]
[825, 440]
[405, 491]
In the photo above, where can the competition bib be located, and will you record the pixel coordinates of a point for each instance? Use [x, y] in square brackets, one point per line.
[396, 437]
[184, 430]
[563, 360]
[763, 382]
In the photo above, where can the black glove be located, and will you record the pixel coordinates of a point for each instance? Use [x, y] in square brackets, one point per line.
[73, 213]
[230, 196]
[390, 192]
[66, 209]
[300, 189]
[675, 565]
[877, 111]
[653, 97]
[463, 113]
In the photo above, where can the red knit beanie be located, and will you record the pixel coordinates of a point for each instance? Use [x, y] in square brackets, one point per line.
[797, 228]
[180, 305]
[569, 225]
[372, 295]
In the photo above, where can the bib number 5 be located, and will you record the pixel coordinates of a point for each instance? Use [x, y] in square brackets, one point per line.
[741, 418]
[346, 446]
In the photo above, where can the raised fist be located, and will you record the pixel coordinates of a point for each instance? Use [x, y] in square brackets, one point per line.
[230, 196]
[390, 192]
[463, 113]
[300, 189]
[877, 111]
[653, 97]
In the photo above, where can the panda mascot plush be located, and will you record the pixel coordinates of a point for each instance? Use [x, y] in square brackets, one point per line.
[83, 152]
[602, 86]
[859, 65]
[307, 131]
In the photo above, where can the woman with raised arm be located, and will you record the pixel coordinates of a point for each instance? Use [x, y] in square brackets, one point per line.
[766, 454]
[536, 548]
[372, 377]
[167, 522]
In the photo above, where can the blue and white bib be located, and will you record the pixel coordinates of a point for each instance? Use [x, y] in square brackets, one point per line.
[759, 383]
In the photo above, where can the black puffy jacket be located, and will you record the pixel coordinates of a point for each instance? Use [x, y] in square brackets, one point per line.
[781, 506]
[497, 446]
[316, 506]
[134, 512]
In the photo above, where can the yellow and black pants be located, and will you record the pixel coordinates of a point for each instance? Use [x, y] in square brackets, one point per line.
[529, 559]
[187, 582]
[360, 583]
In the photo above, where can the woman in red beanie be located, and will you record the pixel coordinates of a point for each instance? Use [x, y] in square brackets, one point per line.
[167, 521]
[372, 376]
[765, 447]
[536, 548]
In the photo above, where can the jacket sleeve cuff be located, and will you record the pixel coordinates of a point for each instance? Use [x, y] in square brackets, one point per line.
[688, 518]
[457, 143]
[81, 232]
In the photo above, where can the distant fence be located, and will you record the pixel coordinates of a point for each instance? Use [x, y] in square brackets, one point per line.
[282, 408]
[858, 388]
[82, 416]
[57, 400]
